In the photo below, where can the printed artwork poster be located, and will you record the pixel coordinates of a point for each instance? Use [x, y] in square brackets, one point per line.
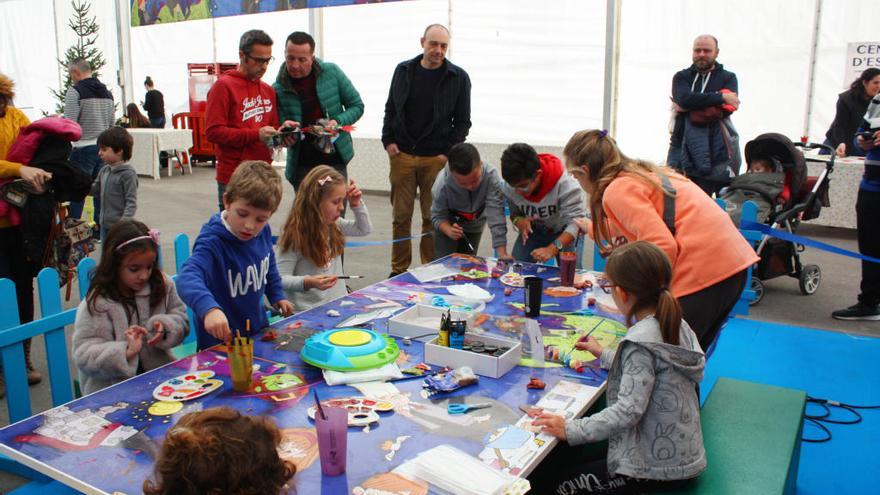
[147, 12]
[860, 55]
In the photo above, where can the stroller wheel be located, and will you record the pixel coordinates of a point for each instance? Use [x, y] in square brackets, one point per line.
[758, 289]
[809, 280]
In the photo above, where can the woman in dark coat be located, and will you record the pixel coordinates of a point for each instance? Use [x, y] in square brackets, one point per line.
[154, 104]
[851, 107]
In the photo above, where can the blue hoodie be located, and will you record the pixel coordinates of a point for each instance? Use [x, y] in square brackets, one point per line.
[228, 273]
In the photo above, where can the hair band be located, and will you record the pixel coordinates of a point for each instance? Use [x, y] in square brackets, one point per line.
[152, 234]
[603, 133]
[325, 180]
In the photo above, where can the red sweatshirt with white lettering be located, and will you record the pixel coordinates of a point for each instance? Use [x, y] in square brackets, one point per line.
[237, 109]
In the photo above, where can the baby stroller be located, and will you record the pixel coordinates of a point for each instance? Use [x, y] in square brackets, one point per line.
[801, 199]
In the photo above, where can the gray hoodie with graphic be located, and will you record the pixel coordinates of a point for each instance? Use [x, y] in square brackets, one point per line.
[652, 421]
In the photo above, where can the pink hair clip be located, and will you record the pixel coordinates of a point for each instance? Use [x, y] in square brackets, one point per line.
[152, 234]
[325, 180]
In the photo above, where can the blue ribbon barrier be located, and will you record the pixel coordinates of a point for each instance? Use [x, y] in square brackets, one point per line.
[350, 244]
[788, 236]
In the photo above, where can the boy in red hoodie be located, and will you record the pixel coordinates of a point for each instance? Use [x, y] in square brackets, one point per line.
[242, 116]
[544, 202]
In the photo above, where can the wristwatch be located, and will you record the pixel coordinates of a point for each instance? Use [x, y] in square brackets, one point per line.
[558, 244]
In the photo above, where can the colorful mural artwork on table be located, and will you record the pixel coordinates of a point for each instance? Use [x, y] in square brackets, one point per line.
[146, 12]
[121, 428]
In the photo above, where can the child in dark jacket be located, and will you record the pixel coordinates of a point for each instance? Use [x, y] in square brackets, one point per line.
[232, 265]
[652, 422]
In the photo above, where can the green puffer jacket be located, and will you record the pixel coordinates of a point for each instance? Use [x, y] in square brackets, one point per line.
[339, 100]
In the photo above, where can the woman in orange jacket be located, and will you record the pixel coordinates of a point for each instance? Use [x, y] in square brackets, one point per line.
[633, 200]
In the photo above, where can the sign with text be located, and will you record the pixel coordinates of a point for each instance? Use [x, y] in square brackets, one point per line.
[860, 55]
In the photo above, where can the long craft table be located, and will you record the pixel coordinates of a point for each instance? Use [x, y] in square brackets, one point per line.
[106, 442]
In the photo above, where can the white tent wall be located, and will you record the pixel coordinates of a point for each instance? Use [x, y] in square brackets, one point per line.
[767, 45]
[842, 22]
[536, 67]
[27, 38]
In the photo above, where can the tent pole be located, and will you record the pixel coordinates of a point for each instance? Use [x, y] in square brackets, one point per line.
[811, 82]
[124, 76]
[316, 28]
[612, 59]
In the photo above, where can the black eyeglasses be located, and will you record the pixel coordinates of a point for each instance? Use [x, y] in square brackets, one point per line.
[261, 61]
[606, 286]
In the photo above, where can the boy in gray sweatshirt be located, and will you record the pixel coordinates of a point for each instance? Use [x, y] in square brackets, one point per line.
[544, 201]
[116, 184]
[467, 193]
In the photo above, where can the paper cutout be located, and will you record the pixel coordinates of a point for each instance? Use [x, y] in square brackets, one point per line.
[299, 446]
[66, 430]
[390, 484]
[393, 447]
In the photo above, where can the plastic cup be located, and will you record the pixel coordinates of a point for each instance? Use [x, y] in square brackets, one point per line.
[241, 367]
[567, 262]
[332, 439]
[534, 289]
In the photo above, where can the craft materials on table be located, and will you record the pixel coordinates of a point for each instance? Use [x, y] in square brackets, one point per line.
[240, 351]
[187, 387]
[332, 429]
[442, 468]
[361, 411]
[451, 381]
[470, 292]
[390, 371]
[432, 273]
[532, 296]
[512, 279]
[349, 349]
[465, 408]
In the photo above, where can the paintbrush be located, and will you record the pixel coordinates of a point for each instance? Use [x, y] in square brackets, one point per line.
[318, 404]
[347, 277]
[468, 241]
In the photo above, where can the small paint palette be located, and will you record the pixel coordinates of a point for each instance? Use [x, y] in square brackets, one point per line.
[361, 410]
[513, 279]
[187, 387]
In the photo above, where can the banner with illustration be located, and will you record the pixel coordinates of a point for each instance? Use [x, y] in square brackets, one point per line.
[147, 12]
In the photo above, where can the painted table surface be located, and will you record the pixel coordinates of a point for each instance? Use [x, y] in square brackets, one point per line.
[106, 442]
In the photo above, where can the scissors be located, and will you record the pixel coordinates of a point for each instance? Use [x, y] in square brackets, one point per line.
[463, 408]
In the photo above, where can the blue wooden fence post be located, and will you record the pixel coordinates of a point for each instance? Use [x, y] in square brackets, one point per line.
[181, 254]
[56, 343]
[13, 355]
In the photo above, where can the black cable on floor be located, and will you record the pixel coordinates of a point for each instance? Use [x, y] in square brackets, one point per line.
[818, 419]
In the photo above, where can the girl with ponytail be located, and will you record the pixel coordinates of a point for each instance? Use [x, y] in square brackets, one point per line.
[652, 422]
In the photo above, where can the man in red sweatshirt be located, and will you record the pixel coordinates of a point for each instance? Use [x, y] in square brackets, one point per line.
[242, 115]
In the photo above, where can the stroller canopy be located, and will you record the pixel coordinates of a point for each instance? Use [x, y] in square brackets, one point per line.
[773, 145]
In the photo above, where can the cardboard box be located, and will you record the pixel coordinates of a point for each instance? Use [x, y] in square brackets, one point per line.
[482, 364]
[421, 320]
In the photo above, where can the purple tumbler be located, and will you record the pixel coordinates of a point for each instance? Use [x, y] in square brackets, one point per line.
[332, 439]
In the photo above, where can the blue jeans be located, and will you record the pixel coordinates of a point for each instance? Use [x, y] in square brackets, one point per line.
[87, 159]
[221, 188]
[540, 237]
[157, 122]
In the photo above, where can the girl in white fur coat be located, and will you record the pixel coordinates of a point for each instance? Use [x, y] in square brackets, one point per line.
[131, 316]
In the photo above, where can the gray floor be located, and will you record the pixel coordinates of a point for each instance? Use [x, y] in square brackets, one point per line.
[181, 204]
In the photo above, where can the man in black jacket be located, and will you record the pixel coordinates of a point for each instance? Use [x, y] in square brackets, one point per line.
[428, 110]
[703, 95]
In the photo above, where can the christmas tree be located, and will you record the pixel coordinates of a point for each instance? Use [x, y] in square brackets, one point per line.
[86, 29]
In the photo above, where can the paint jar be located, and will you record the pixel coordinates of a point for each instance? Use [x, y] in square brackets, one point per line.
[534, 289]
[241, 367]
[456, 333]
[332, 439]
[567, 263]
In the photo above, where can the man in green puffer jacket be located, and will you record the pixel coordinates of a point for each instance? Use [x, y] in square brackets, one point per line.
[308, 90]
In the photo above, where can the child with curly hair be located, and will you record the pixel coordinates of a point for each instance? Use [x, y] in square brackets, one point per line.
[220, 451]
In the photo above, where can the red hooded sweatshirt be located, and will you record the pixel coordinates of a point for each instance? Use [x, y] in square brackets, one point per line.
[237, 108]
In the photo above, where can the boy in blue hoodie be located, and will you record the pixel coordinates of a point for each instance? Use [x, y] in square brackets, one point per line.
[232, 265]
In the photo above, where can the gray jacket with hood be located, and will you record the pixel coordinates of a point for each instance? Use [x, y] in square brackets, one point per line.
[450, 198]
[116, 186]
[652, 421]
